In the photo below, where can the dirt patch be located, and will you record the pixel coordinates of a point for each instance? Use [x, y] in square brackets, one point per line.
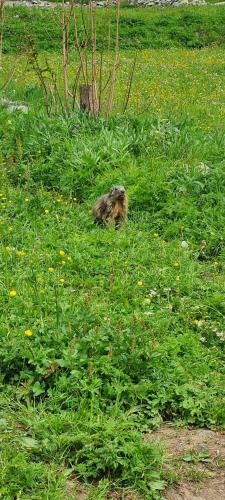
[213, 489]
[74, 490]
[194, 461]
[125, 495]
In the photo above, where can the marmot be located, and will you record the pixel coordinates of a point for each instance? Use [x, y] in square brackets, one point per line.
[111, 208]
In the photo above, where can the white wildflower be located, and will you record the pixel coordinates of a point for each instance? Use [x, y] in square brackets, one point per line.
[204, 169]
[221, 335]
[184, 244]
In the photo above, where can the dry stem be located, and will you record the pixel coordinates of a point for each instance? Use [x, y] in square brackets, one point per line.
[115, 65]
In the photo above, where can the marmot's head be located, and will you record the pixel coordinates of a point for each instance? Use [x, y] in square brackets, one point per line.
[118, 192]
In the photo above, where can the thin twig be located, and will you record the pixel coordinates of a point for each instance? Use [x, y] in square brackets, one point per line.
[36, 67]
[78, 47]
[94, 62]
[65, 57]
[75, 85]
[115, 65]
[55, 86]
[2, 19]
[100, 72]
[130, 81]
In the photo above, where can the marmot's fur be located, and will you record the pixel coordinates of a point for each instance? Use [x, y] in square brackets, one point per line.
[111, 208]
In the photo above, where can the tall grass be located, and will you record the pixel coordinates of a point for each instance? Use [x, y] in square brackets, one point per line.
[109, 333]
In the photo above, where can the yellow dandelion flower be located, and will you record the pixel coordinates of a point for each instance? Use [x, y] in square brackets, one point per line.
[50, 269]
[176, 264]
[26, 199]
[69, 258]
[198, 322]
[148, 300]
[20, 253]
[12, 293]
[61, 253]
[28, 333]
[46, 211]
[126, 263]
[139, 283]
[61, 280]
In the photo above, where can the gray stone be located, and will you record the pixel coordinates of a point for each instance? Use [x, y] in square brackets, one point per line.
[165, 3]
[14, 106]
[104, 3]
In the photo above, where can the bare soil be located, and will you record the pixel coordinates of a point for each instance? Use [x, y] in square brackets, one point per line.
[194, 460]
[75, 491]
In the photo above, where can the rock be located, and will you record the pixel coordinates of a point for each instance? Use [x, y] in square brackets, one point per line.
[165, 3]
[14, 105]
[180, 2]
[197, 2]
[31, 3]
[104, 3]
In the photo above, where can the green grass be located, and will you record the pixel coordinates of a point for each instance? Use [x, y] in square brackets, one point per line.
[107, 358]
[194, 27]
[107, 334]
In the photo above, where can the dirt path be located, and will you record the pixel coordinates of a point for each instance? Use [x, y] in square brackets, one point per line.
[195, 462]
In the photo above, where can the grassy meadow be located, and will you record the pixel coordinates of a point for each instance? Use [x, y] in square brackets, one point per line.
[104, 334]
[140, 28]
